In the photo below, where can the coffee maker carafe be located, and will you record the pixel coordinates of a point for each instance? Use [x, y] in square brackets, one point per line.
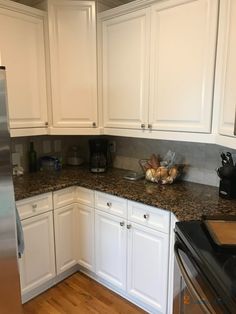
[98, 155]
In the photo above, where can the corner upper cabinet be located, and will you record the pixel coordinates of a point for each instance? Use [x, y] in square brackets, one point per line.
[183, 44]
[72, 43]
[225, 91]
[22, 51]
[125, 52]
[158, 67]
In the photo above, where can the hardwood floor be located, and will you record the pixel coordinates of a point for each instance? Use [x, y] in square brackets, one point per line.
[79, 294]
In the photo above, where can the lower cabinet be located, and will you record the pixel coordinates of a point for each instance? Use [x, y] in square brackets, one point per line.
[123, 244]
[37, 265]
[65, 237]
[85, 236]
[147, 265]
[110, 244]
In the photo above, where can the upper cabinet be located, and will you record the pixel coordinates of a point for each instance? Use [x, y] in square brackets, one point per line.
[125, 69]
[22, 51]
[183, 41]
[158, 67]
[225, 91]
[72, 43]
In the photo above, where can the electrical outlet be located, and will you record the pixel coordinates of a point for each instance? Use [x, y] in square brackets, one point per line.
[46, 147]
[112, 146]
[57, 146]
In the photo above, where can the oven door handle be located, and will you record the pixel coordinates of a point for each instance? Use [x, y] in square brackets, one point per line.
[196, 295]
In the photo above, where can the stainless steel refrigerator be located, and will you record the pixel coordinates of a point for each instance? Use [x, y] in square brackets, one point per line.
[10, 298]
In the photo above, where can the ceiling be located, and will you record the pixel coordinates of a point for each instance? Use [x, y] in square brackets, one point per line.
[106, 3]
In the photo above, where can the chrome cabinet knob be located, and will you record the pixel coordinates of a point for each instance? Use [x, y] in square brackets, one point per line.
[122, 223]
[128, 226]
[142, 126]
[109, 204]
[146, 216]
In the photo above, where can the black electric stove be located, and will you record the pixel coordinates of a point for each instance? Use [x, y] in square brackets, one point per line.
[215, 264]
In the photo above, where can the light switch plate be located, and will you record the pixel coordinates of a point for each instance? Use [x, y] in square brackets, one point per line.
[19, 149]
[15, 159]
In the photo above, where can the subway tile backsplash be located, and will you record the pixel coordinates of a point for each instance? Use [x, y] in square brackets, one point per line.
[201, 159]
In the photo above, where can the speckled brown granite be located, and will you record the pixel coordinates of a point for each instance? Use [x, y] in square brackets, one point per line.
[186, 200]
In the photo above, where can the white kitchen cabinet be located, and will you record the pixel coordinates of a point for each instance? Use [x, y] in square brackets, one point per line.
[147, 266]
[65, 237]
[85, 237]
[158, 69]
[125, 69]
[183, 43]
[110, 248]
[225, 91]
[22, 51]
[72, 42]
[37, 265]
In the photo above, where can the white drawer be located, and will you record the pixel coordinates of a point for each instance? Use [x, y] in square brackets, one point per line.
[64, 197]
[35, 205]
[111, 204]
[85, 196]
[152, 217]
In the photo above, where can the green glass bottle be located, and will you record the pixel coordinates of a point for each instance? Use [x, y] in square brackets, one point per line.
[32, 155]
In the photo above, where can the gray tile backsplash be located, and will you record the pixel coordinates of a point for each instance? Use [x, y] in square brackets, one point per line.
[201, 159]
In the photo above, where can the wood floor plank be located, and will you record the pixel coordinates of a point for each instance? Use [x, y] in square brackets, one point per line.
[80, 294]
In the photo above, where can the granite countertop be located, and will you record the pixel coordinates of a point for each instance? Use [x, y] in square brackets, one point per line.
[186, 200]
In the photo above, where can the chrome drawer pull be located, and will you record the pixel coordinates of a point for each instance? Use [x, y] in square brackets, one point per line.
[109, 204]
[146, 216]
[129, 226]
[122, 223]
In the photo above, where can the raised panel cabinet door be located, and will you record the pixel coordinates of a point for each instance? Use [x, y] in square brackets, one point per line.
[37, 264]
[110, 248]
[125, 55]
[226, 67]
[72, 28]
[183, 38]
[147, 270]
[65, 237]
[85, 236]
[22, 52]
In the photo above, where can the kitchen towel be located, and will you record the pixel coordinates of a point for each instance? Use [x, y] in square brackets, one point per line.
[20, 235]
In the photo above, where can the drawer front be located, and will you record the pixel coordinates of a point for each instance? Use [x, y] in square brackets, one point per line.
[85, 196]
[152, 217]
[33, 206]
[64, 197]
[111, 204]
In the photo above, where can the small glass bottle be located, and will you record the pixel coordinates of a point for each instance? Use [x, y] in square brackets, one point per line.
[32, 155]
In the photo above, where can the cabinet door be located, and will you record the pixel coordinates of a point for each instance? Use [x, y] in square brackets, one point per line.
[37, 264]
[182, 65]
[65, 237]
[226, 67]
[125, 69]
[110, 248]
[147, 272]
[85, 236]
[22, 52]
[72, 26]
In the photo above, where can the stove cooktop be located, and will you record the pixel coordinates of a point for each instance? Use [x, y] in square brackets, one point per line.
[218, 265]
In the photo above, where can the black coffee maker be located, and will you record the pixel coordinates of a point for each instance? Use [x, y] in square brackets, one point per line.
[98, 155]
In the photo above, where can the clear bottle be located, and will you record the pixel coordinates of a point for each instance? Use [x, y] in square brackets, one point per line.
[32, 155]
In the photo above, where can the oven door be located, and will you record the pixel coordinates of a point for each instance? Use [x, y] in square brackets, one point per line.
[192, 292]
